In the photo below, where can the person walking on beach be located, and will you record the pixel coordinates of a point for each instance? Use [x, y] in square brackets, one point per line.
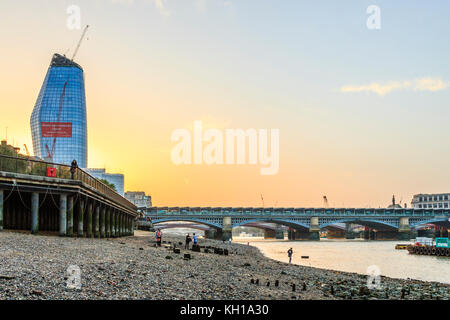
[158, 237]
[188, 240]
[290, 255]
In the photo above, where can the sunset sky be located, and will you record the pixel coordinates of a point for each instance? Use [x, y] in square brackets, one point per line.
[362, 114]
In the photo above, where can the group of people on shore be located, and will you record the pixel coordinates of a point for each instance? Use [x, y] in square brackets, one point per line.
[194, 239]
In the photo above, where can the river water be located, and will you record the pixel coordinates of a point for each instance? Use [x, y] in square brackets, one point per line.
[356, 256]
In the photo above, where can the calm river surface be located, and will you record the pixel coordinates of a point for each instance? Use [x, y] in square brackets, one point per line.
[356, 256]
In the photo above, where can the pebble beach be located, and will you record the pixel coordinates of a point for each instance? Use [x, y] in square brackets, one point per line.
[36, 267]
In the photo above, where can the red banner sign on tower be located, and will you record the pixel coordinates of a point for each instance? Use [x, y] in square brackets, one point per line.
[56, 129]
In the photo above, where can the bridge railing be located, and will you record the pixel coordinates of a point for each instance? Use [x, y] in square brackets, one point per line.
[298, 212]
[26, 165]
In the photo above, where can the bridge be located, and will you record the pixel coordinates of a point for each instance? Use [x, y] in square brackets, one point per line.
[305, 223]
[43, 196]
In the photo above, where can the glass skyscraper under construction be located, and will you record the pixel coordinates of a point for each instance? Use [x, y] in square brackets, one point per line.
[58, 122]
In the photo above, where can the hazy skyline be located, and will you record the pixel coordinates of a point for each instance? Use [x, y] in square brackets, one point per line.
[362, 114]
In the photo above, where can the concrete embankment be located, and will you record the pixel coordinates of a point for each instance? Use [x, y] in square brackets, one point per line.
[36, 267]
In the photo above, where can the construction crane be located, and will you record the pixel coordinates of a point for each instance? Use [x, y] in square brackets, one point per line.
[26, 150]
[79, 42]
[325, 202]
[58, 118]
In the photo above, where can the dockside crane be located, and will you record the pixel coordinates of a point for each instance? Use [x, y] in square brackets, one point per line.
[79, 42]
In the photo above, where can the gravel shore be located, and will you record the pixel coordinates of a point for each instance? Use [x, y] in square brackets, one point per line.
[35, 267]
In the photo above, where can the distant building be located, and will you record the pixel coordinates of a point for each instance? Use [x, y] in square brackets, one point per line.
[117, 179]
[58, 122]
[139, 199]
[431, 201]
[8, 149]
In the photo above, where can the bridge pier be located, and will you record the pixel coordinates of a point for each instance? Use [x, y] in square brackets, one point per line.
[102, 222]
[314, 229]
[349, 234]
[107, 222]
[62, 215]
[97, 221]
[69, 216]
[1, 210]
[279, 232]
[404, 230]
[120, 225]
[80, 232]
[89, 222]
[34, 213]
[116, 228]
[227, 229]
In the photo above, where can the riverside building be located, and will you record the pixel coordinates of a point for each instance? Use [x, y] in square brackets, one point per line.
[58, 120]
[431, 201]
[139, 199]
[117, 179]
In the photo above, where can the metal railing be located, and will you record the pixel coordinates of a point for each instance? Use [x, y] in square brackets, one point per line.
[292, 212]
[26, 165]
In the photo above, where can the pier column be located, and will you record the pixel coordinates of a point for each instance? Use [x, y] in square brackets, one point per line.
[89, 225]
[122, 225]
[80, 218]
[70, 216]
[404, 230]
[97, 221]
[314, 229]
[1, 210]
[62, 215]
[291, 234]
[113, 223]
[103, 220]
[349, 234]
[107, 224]
[34, 213]
[118, 224]
[227, 229]
[209, 234]
[132, 226]
[279, 232]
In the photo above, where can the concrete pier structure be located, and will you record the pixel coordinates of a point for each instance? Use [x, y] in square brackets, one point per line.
[34, 213]
[227, 229]
[97, 221]
[102, 222]
[70, 216]
[1, 209]
[89, 220]
[404, 230]
[62, 215]
[314, 229]
[81, 208]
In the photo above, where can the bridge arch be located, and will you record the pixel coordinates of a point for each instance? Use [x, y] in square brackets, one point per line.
[209, 223]
[372, 223]
[442, 221]
[286, 222]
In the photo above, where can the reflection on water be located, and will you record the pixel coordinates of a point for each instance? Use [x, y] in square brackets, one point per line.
[357, 256]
